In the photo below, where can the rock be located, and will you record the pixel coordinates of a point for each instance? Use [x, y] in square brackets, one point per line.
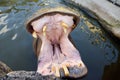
[4, 69]
[105, 12]
[27, 75]
[115, 2]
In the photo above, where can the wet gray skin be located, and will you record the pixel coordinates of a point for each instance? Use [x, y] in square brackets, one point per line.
[99, 52]
[57, 56]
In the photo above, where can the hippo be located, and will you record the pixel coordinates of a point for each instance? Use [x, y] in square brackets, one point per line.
[56, 53]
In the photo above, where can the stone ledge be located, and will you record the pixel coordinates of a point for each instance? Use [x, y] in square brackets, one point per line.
[27, 75]
[105, 12]
[117, 2]
[4, 69]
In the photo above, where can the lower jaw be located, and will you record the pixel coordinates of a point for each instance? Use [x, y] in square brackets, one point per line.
[57, 55]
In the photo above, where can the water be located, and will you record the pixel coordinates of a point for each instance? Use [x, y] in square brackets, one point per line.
[100, 53]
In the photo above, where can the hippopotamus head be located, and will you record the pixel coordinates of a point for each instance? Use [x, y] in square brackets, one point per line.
[57, 56]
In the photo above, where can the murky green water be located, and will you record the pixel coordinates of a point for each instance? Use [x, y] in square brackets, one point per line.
[99, 52]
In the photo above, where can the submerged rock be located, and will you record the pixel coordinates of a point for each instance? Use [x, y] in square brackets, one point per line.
[27, 75]
[4, 69]
[105, 12]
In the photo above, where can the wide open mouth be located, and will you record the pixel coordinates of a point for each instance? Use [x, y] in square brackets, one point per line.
[52, 11]
[57, 55]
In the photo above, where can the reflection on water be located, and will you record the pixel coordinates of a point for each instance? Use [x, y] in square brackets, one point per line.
[98, 38]
[15, 43]
[100, 53]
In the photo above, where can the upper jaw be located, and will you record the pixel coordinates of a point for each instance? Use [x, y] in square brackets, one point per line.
[56, 25]
[61, 9]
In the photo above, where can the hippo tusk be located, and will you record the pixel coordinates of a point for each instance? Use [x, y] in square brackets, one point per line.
[44, 30]
[34, 34]
[65, 70]
[57, 72]
[65, 26]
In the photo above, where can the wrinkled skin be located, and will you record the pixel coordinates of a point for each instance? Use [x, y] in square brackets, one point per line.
[56, 54]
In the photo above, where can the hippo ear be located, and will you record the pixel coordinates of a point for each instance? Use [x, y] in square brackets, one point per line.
[34, 34]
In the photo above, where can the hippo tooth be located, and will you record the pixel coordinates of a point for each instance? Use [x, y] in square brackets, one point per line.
[34, 34]
[65, 26]
[57, 72]
[65, 70]
[44, 30]
[73, 26]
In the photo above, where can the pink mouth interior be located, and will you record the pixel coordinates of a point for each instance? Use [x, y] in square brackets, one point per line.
[56, 48]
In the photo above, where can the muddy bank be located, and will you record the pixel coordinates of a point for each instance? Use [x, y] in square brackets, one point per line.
[104, 11]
